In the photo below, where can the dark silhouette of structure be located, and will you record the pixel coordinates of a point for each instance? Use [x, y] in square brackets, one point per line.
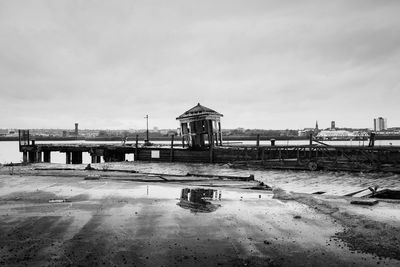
[201, 127]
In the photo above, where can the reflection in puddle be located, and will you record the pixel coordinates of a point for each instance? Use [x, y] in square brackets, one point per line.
[198, 199]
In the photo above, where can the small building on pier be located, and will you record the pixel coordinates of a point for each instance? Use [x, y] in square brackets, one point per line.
[201, 127]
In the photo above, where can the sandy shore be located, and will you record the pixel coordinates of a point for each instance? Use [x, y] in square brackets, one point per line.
[60, 218]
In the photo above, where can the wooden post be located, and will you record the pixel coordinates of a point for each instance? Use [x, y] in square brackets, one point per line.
[32, 156]
[25, 157]
[47, 156]
[68, 157]
[38, 156]
[211, 141]
[19, 144]
[137, 148]
[309, 156]
[76, 157]
[371, 140]
[171, 156]
[258, 140]
[94, 158]
[220, 133]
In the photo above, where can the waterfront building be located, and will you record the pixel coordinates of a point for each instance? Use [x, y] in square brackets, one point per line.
[380, 124]
[333, 126]
[201, 127]
[335, 135]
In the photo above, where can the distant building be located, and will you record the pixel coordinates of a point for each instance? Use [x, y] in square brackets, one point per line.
[333, 126]
[332, 135]
[76, 129]
[306, 131]
[380, 124]
[3, 132]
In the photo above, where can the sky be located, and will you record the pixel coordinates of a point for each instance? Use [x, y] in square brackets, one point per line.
[262, 64]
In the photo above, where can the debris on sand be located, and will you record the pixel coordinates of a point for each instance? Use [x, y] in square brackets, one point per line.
[281, 194]
[58, 200]
[92, 177]
[366, 202]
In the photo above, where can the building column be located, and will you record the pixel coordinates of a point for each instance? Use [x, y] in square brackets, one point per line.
[47, 156]
[68, 158]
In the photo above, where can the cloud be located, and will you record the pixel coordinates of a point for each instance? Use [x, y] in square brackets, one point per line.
[264, 64]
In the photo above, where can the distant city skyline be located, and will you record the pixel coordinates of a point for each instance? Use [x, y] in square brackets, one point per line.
[263, 64]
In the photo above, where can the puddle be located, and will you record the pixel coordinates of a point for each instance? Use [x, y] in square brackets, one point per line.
[199, 199]
[332, 183]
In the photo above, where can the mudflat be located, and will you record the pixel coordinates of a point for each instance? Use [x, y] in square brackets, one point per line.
[55, 220]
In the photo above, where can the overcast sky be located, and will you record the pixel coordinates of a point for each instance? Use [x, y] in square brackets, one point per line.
[263, 64]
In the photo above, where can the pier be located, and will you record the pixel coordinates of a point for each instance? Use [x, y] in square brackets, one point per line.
[202, 142]
[302, 157]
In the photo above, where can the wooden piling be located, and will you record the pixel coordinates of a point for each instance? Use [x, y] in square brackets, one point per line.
[25, 157]
[47, 156]
[171, 156]
[68, 158]
[76, 157]
[32, 156]
[220, 133]
[137, 148]
[211, 141]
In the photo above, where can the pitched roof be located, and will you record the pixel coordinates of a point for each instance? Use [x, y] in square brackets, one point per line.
[198, 110]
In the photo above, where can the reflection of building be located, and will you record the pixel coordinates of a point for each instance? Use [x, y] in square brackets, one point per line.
[380, 124]
[201, 127]
[198, 199]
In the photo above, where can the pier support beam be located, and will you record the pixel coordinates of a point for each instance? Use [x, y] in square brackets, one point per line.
[137, 148]
[68, 158]
[171, 155]
[47, 156]
[96, 159]
[38, 156]
[25, 157]
[112, 156]
[76, 157]
[32, 156]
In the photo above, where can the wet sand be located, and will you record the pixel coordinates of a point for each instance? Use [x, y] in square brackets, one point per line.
[117, 222]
